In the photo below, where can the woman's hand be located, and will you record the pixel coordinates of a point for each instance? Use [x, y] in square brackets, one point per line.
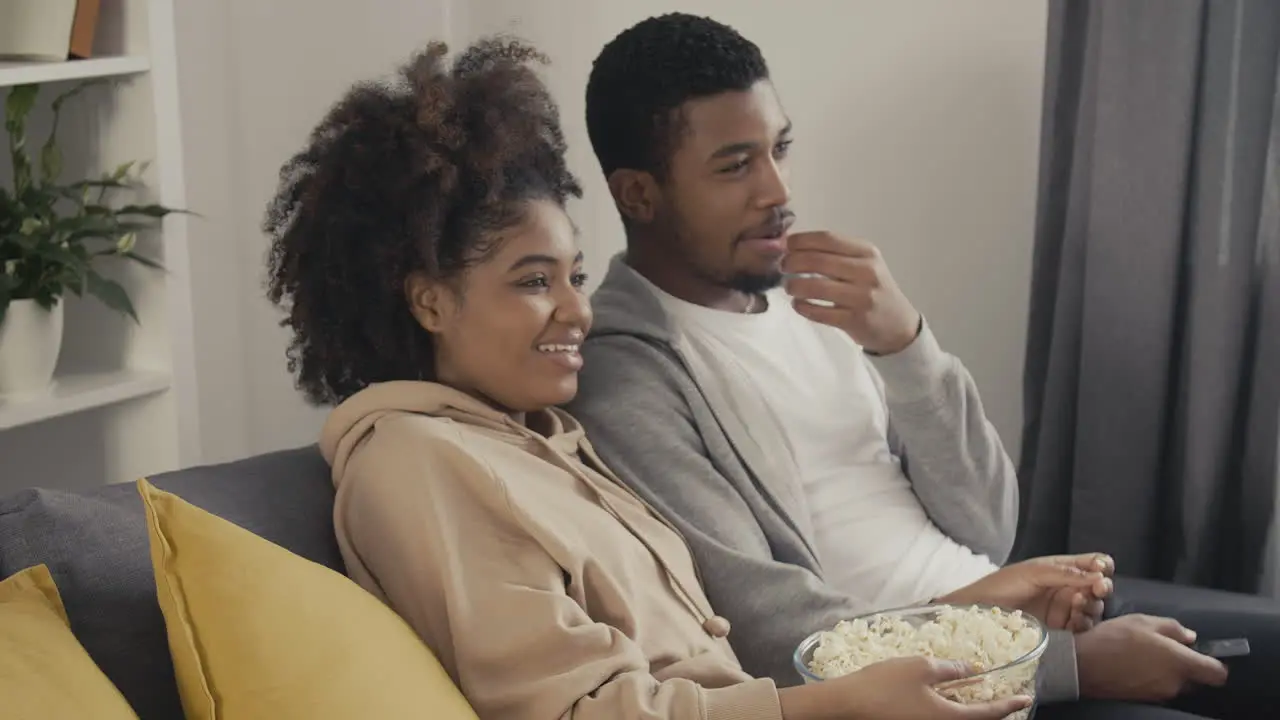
[1066, 592]
[899, 689]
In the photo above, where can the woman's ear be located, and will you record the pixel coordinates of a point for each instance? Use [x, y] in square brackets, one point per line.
[430, 301]
[635, 193]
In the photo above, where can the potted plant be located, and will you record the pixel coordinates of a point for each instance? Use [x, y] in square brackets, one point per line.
[36, 29]
[53, 238]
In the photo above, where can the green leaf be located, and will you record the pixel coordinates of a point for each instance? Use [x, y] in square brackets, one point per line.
[153, 211]
[143, 260]
[131, 255]
[58, 255]
[111, 293]
[122, 171]
[6, 294]
[22, 98]
[47, 297]
[104, 231]
[106, 181]
[50, 155]
[73, 282]
[50, 161]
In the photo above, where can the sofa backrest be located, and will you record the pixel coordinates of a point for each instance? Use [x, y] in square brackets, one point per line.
[95, 544]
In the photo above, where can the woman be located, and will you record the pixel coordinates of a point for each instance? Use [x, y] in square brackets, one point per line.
[434, 288]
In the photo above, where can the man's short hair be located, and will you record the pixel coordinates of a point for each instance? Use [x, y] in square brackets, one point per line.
[651, 69]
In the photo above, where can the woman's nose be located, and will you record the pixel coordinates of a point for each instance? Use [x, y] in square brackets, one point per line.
[574, 308]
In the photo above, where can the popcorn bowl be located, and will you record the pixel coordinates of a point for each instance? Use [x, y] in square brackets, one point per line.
[938, 631]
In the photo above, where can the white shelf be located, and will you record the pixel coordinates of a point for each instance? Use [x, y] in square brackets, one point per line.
[77, 393]
[21, 73]
[127, 423]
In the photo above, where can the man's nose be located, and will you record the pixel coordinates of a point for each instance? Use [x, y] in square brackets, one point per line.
[773, 190]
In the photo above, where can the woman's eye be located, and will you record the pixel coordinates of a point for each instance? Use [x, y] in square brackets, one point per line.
[579, 279]
[539, 281]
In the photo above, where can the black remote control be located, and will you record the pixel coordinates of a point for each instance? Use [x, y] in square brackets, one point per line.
[1222, 649]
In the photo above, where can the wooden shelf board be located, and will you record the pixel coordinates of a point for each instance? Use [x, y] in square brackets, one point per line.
[77, 393]
[23, 72]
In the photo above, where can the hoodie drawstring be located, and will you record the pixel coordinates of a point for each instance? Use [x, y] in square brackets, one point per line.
[714, 625]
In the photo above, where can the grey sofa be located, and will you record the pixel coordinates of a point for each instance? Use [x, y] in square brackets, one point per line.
[95, 544]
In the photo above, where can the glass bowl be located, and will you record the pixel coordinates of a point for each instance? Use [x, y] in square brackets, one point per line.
[1014, 678]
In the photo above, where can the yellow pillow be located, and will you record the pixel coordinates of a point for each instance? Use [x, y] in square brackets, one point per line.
[259, 632]
[44, 671]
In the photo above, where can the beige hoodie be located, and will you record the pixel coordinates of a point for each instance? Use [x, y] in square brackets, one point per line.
[546, 589]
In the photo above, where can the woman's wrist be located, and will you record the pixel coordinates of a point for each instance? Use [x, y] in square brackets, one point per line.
[810, 702]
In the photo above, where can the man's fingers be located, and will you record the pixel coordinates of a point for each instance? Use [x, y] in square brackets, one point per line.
[1082, 624]
[1173, 630]
[1103, 588]
[849, 268]
[1099, 562]
[832, 316]
[1050, 575]
[824, 241]
[1200, 668]
[1088, 562]
[841, 294]
[1062, 608]
[1094, 609]
[1086, 615]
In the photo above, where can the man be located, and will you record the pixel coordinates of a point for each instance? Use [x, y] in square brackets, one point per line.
[779, 399]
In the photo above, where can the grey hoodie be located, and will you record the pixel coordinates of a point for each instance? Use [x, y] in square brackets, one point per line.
[660, 418]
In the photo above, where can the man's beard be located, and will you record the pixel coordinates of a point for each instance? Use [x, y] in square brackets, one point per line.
[754, 283]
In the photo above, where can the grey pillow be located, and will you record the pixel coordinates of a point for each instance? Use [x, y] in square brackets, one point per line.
[95, 544]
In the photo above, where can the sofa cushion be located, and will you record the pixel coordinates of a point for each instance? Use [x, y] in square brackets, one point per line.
[44, 671]
[95, 545]
[255, 631]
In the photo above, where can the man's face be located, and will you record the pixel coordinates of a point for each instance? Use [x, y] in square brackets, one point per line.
[724, 200]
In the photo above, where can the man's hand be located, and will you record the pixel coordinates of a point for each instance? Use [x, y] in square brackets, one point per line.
[1062, 591]
[866, 302]
[1139, 658]
[1079, 609]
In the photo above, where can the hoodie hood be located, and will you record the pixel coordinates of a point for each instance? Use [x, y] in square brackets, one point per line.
[624, 304]
[355, 418]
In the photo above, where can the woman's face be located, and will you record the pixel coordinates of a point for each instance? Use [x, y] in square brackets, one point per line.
[509, 329]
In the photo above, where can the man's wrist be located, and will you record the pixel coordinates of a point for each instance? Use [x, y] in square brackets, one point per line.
[916, 372]
[900, 346]
[1060, 676]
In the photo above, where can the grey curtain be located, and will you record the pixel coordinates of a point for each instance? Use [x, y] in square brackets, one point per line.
[1152, 385]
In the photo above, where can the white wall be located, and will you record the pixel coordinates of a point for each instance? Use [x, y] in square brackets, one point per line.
[254, 84]
[917, 125]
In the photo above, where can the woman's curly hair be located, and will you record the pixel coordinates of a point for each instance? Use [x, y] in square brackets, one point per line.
[407, 176]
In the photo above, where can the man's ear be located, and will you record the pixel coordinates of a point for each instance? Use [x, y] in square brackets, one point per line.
[430, 301]
[636, 194]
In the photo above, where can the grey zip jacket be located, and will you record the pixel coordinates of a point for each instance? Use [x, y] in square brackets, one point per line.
[661, 416]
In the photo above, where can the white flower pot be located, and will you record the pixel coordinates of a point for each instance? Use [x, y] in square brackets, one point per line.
[36, 29]
[30, 340]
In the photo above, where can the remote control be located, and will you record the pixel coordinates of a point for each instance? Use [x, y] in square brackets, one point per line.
[1227, 648]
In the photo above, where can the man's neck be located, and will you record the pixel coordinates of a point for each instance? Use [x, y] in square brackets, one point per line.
[647, 258]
